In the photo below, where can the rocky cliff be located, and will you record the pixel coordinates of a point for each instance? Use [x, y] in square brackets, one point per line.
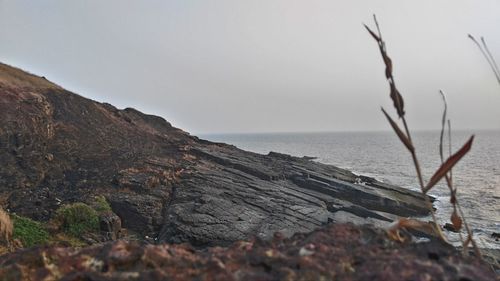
[57, 147]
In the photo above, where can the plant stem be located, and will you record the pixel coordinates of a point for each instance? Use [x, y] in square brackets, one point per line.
[485, 55]
[421, 182]
[469, 232]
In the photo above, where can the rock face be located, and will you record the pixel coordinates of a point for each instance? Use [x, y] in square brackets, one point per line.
[228, 193]
[336, 252]
[57, 147]
[110, 225]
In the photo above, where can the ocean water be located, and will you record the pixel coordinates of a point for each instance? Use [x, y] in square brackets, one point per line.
[382, 156]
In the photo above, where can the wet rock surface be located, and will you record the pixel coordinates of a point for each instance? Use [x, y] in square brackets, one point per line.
[335, 252]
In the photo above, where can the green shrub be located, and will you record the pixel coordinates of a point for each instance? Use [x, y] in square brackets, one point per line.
[30, 232]
[101, 205]
[77, 219]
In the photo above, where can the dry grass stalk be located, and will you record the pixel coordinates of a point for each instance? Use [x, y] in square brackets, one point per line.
[6, 228]
[487, 55]
[394, 233]
[445, 169]
[456, 220]
[398, 103]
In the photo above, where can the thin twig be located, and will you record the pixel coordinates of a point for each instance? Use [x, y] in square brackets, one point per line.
[422, 185]
[470, 233]
[448, 177]
[443, 124]
[466, 225]
[488, 58]
[449, 149]
[490, 55]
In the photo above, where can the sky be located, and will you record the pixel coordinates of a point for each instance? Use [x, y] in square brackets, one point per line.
[263, 65]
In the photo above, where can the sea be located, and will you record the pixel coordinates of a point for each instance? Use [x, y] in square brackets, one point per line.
[381, 155]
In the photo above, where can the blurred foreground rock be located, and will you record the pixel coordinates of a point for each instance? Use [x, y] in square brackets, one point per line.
[335, 252]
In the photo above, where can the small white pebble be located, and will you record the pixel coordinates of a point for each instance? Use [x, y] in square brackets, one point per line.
[305, 252]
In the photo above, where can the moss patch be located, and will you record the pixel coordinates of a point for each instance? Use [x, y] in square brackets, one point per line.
[30, 232]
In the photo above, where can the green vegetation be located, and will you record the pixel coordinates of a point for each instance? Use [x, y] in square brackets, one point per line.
[77, 219]
[30, 232]
[101, 205]
[68, 225]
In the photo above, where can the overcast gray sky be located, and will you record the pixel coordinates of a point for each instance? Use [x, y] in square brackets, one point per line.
[263, 65]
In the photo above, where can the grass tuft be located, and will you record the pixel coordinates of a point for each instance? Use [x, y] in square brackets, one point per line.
[77, 219]
[101, 205]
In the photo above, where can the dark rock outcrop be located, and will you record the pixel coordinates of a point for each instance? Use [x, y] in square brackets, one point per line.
[110, 225]
[336, 252]
[57, 147]
[228, 192]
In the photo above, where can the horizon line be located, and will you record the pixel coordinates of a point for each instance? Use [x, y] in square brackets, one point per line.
[339, 131]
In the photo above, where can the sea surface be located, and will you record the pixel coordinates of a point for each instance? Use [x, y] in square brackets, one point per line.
[382, 156]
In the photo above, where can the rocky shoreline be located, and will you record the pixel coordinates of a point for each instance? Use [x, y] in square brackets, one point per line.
[164, 185]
